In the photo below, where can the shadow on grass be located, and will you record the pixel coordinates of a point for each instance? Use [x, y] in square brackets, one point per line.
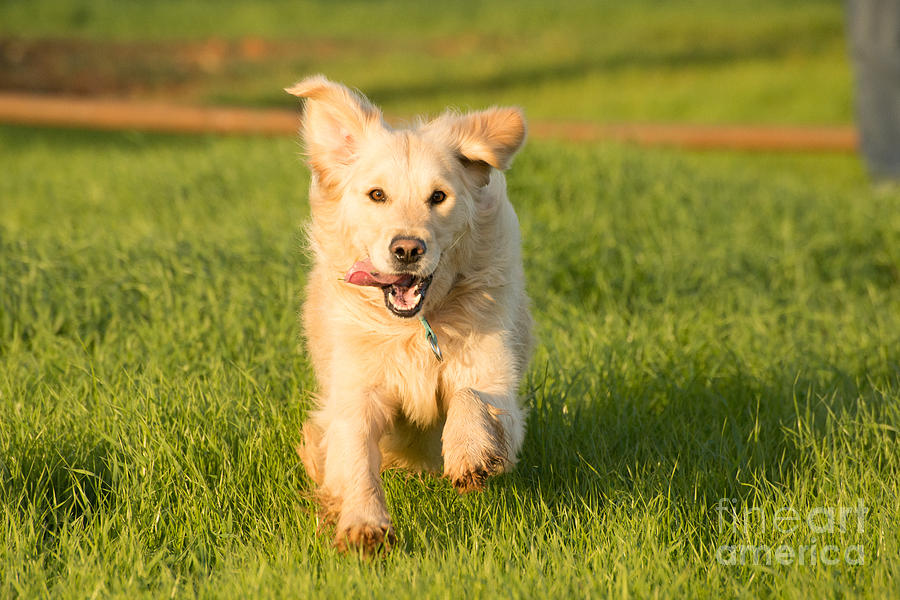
[691, 442]
[59, 482]
[526, 71]
[562, 72]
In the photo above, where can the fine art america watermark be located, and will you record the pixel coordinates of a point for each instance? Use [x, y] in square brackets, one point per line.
[817, 521]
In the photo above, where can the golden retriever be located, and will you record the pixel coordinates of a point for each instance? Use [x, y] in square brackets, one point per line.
[416, 316]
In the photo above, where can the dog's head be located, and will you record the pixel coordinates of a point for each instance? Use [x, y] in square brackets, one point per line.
[394, 204]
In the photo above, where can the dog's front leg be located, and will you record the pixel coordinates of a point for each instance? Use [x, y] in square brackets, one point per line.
[351, 486]
[484, 427]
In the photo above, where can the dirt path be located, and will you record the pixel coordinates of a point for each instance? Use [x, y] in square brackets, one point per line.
[62, 111]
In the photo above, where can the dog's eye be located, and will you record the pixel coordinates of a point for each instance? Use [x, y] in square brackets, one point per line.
[377, 195]
[437, 197]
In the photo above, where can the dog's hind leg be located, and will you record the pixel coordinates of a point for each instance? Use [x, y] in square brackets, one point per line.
[311, 452]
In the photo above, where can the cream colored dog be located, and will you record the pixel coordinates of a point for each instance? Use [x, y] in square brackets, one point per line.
[410, 228]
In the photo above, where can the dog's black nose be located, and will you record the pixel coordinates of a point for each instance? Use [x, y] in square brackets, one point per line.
[407, 250]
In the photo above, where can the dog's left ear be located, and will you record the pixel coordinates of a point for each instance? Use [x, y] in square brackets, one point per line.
[491, 136]
[335, 120]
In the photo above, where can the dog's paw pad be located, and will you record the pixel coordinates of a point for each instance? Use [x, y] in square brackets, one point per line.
[367, 538]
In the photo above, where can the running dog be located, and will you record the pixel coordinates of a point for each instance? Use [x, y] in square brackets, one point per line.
[415, 315]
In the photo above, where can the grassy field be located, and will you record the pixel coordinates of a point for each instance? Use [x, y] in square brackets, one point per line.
[755, 61]
[719, 334]
[711, 326]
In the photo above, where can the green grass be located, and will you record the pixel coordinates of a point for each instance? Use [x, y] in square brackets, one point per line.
[711, 326]
[756, 61]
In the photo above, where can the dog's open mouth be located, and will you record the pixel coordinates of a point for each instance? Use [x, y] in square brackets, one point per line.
[405, 297]
[404, 293]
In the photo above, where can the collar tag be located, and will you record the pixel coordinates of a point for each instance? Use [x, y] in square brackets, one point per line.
[432, 339]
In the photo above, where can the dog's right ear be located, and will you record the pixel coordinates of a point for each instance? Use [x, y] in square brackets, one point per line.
[335, 120]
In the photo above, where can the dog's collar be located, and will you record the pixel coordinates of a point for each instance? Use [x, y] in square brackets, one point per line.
[432, 339]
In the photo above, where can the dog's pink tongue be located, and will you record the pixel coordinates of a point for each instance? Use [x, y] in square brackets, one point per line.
[363, 273]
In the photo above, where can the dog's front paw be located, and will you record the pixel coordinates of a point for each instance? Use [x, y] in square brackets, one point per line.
[366, 537]
[474, 448]
[472, 477]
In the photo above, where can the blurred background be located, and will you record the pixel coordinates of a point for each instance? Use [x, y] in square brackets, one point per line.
[766, 62]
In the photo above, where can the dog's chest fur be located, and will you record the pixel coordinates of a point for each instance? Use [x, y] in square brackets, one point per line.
[414, 380]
